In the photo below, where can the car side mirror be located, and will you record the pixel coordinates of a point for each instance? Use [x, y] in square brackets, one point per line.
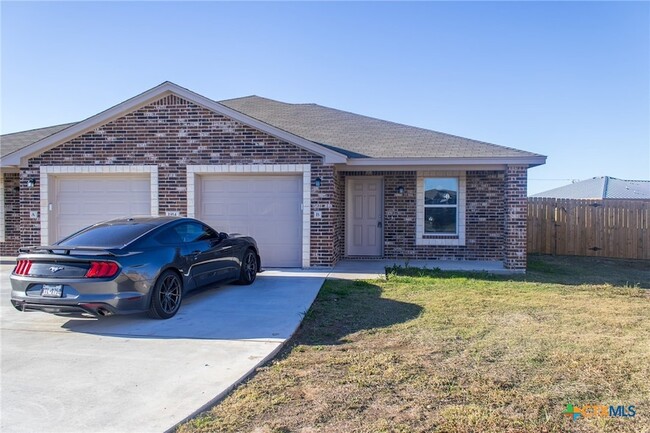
[222, 236]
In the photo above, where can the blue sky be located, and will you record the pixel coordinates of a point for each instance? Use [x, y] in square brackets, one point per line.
[567, 80]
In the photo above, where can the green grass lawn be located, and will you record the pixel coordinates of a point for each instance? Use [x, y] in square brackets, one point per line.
[427, 351]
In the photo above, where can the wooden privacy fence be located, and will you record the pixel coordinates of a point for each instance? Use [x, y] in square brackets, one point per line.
[601, 228]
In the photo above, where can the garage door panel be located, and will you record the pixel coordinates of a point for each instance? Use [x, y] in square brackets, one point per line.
[79, 201]
[267, 207]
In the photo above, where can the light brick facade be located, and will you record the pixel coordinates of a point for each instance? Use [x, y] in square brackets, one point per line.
[172, 134]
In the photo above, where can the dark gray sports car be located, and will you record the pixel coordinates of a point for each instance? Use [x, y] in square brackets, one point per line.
[130, 265]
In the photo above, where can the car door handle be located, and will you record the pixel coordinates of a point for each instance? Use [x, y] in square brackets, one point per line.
[196, 252]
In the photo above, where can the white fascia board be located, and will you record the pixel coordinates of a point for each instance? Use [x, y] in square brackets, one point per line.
[421, 167]
[19, 158]
[531, 161]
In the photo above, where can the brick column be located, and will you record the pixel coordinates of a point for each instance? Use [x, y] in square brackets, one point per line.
[11, 243]
[516, 204]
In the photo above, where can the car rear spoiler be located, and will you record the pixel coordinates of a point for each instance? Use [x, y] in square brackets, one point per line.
[64, 250]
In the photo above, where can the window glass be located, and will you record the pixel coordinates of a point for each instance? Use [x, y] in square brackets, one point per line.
[441, 191]
[186, 232]
[440, 220]
[169, 236]
[441, 205]
[107, 236]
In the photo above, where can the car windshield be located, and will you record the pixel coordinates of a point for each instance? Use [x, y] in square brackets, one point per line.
[107, 236]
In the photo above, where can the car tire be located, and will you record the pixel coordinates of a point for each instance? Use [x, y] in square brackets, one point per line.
[166, 296]
[248, 268]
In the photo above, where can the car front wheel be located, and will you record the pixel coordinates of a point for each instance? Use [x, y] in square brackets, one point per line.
[167, 295]
[248, 269]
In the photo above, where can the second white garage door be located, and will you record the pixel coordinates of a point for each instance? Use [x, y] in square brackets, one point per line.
[267, 207]
[77, 201]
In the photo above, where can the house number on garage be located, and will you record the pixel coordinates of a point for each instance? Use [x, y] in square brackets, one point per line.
[322, 205]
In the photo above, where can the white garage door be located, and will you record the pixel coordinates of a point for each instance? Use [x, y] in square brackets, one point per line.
[267, 207]
[78, 201]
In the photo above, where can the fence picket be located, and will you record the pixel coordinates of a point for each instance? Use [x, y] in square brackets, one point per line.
[602, 228]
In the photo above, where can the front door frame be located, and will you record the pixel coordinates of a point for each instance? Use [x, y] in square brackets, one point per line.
[349, 208]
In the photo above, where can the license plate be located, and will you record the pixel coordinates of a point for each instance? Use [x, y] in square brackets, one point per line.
[52, 290]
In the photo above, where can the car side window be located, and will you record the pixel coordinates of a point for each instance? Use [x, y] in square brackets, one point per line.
[208, 233]
[190, 232]
[185, 232]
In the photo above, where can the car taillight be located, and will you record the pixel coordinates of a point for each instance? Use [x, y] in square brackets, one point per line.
[23, 267]
[101, 270]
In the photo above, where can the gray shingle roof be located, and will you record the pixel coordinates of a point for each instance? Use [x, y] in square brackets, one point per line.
[12, 142]
[353, 135]
[359, 136]
[603, 187]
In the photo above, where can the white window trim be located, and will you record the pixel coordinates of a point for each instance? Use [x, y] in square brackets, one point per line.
[48, 171]
[305, 169]
[422, 238]
[2, 207]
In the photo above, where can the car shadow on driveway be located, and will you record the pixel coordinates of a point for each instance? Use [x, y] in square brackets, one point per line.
[268, 310]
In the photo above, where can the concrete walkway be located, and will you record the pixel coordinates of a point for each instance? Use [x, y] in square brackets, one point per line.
[373, 269]
[376, 269]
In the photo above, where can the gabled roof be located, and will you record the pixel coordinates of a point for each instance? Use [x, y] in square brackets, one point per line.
[167, 88]
[360, 136]
[603, 187]
[10, 143]
[338, 136]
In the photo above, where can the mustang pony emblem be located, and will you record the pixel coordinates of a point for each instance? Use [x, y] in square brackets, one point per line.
[55, 269]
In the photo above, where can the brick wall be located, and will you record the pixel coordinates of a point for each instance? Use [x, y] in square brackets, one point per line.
[172, 133]
[516, 217]
[339, 216]
[12, 215]
[485, 235]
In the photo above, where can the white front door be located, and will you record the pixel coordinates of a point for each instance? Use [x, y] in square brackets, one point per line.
[364, 216]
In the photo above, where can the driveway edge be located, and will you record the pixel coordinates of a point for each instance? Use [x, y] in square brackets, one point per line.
[223, 394]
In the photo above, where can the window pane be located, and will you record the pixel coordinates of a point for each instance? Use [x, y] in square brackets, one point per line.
[440, 190]
[440, 220]
[107, 236]
[190, 232]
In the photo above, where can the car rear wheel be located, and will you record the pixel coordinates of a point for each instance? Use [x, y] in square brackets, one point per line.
[248, 269]
[167, 295]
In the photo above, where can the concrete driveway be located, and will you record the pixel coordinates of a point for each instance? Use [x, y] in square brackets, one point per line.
[135, 374]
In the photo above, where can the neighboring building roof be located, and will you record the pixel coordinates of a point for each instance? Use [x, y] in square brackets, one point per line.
[336, 134]
[12, 142]
[603, 187]
[358, 136]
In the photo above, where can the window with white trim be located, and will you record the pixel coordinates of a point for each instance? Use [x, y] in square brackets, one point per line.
[441, 205]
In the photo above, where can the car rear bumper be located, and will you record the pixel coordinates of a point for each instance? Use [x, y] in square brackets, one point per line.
[98, 298]
[94, 309]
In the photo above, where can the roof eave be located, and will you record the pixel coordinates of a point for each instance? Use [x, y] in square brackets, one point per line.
[529, 160]
[20, 157]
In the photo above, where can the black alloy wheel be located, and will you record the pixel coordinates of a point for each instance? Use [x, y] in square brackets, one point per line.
[248, 270]
[167, 296]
